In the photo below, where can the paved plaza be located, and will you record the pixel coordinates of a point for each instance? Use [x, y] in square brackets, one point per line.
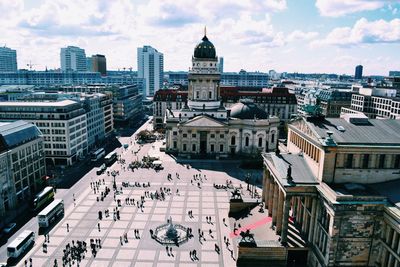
[186, 195]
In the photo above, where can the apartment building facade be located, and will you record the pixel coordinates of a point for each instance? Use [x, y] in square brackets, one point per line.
[62, 123]
[22, 166]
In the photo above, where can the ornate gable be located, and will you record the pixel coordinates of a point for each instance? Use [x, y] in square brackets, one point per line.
[203, 121]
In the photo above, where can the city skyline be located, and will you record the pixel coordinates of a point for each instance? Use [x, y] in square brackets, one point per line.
[314, 37]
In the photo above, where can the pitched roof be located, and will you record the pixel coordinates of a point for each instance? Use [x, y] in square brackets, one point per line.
[301, 173]
[16, 133]
[375, 132]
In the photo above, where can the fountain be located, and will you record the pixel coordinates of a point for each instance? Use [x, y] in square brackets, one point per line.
[171, 234]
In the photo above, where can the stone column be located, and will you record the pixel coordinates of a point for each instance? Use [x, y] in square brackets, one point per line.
[275, 205]
[318, 210]
[285, 219]
[398, 253]
[265, 190]
[298, 212]
[271, 197]
[279, 212]
[312, 220]
[294, 207]
[304, 220]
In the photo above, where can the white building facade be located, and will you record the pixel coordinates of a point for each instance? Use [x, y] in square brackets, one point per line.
[73, 59]
[150, 64]
[62, 123]
[8, 59]
[204, 128]
[22, 166]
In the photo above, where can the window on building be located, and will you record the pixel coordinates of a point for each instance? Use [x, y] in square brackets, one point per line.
[221, 136]
[175, 144]
[212, 148]
[212, 135]
[184, 147]
[381, 164]
[221, 148]
[349, 161]
[233, 140]
[365, 161]
[210, 94]
[175, 133]
[260, 142]
[194, 147]
[197, 94]
[194, 135]
[397, 162]
[272, 138]
[247, 141]
[184, 135]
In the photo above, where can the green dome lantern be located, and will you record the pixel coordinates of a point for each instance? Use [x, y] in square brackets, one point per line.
[205, 49]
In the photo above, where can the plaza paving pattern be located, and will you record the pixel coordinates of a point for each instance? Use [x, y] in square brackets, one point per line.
[205, 201]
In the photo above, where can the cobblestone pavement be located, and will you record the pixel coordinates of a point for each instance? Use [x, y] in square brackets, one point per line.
[83, 220]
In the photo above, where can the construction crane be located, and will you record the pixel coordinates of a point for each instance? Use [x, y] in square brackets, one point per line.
[30, 65]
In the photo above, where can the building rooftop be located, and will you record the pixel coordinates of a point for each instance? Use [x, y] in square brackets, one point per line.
[300, 172]
[371, 132]
[16, 133]
[62, 103]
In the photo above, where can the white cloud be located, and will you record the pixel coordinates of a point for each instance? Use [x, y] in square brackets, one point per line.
[300, 35]
[337, 8]
[363, 32]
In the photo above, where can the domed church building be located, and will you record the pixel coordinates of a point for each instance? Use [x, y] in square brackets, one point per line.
[204, 128]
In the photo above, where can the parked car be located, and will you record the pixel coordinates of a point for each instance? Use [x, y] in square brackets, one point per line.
[10, 228]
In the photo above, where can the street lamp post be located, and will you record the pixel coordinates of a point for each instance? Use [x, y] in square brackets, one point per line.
[113, 174]
[248, 181]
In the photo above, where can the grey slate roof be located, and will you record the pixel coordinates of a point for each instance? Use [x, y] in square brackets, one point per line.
[301, 173]
[16, 133]
[376, 132]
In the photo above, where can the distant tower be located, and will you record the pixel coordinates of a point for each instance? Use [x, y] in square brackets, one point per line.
[221, 64]
[8, 59]
[99, 64]
[150, 64]
[73, 59]
[204, 77]
[359, 71]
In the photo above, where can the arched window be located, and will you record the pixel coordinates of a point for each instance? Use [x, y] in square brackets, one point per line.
[260, 142]
[247, 141]
[233, 140]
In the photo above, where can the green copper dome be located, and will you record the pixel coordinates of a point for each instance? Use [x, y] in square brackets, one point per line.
[205, 49]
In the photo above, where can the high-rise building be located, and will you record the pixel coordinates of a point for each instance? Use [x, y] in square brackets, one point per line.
[73, 59]
[99, 64]
[150, 67]
[8, 59]
[221, 65]
[359, 71]
[394, 73]
[89, 64]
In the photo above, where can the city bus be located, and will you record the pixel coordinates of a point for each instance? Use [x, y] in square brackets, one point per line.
[20, 244]
[110, 158]
[98, 154]
[49, 214]
[44, 197]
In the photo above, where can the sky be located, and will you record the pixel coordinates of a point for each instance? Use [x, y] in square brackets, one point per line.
[307, 36]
